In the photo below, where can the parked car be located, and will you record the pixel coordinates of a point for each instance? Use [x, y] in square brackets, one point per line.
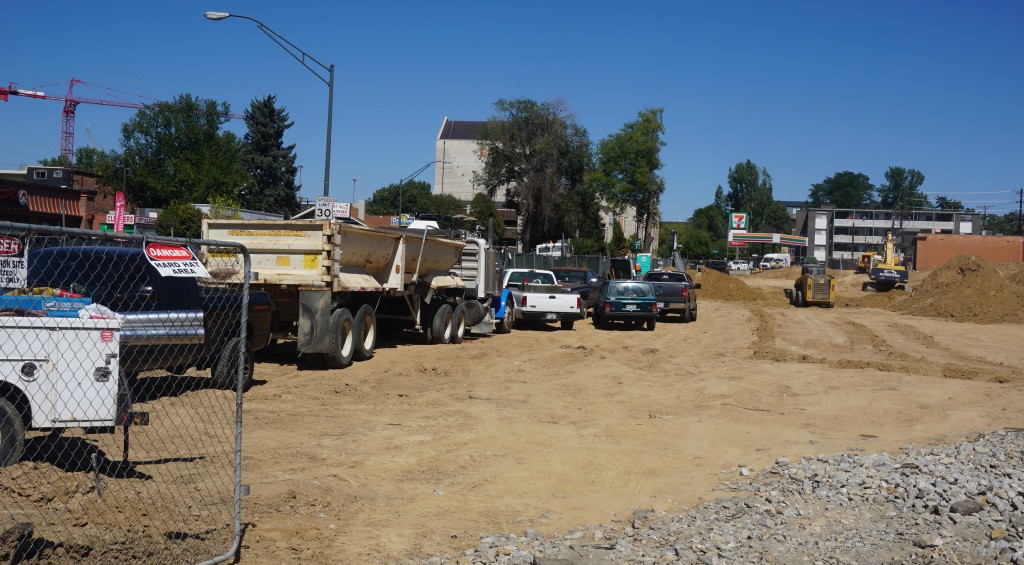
[739, 265]
[537, 297]
[675, 292]
[719, 265]
[580, 281]
[169, 323]
[632, 302]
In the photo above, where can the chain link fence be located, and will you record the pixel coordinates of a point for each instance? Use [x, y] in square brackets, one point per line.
[124, 359]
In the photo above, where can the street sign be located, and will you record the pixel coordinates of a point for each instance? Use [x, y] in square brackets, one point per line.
[739, 221]
[324, 208]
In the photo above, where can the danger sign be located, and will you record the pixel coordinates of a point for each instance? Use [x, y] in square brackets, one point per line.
[173, 260]
[13, 262]
[739, 220]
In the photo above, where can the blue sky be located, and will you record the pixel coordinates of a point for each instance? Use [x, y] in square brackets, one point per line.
[804, 89]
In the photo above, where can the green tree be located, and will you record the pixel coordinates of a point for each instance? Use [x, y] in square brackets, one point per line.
[446, 204]
[224, 208]
[410, 197]
[537, 154]
[902, 189]
[750, 190]
[946, 203]
[844, 189]
[177, 152]
[483, 208]
[665, 230]
[270, 163]
[619, 245]
[628, 162]
[180, 219]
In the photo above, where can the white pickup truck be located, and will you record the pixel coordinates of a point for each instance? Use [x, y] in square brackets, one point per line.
[537, 297]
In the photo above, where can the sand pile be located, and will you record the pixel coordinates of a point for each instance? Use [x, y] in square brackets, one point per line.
[969, 289]
[719, 286]
[790, 273]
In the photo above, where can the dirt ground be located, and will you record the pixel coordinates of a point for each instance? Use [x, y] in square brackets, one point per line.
[424, 448]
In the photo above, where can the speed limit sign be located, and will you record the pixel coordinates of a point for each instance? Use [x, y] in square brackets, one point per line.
[324, 208]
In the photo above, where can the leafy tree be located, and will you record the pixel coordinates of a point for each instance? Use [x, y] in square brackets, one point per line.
[537, 154]
[627, 166]
[618, 246]
[750, 190]
[445, 204]
[587, 246]
[178, 153]
[706, 231]
[695, 244]
[224, 208]
[665, 230]
[483, 208]
[844, 189]
[180, 219]
[946, 203]
[269, 162]
[902, 189]
[410, 197]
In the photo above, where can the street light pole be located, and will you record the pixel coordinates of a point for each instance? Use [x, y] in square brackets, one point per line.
[415, 174]
[291, 48]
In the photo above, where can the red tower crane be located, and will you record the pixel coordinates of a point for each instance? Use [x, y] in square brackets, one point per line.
[71, 102]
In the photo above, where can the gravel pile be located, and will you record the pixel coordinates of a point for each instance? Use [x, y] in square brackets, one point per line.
[960, 503]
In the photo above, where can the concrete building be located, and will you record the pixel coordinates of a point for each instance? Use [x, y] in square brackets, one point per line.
[839, 235]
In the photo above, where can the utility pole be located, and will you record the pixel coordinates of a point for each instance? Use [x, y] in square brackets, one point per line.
[984, 217]
[1020, 209]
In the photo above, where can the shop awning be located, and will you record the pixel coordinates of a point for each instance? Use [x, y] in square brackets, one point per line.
[54, 204]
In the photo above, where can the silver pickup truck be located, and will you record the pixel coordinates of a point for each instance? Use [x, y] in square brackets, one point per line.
[538, 297]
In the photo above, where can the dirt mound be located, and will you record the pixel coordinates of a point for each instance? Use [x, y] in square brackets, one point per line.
[790, 273]
[719, 286]
[969, 289]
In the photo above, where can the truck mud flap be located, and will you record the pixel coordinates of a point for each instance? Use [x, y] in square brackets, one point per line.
[314, 321]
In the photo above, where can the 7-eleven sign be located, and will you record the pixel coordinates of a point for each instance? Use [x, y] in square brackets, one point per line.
[739, 220]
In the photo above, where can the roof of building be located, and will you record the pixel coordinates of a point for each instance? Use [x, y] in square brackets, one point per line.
[459, 129]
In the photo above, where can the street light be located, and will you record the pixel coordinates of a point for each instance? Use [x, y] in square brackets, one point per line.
[415, 174]
[291, 48]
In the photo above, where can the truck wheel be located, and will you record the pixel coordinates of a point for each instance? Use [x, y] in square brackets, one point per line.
[653, 322]
[225, 370]
[503, 327]
[458, 323]
[510, 318]
[441, 327]
[687, 315]
[693, 314]
[12, 434]
[342, 340]
[798, 299]
[567, 324]
[364, 328]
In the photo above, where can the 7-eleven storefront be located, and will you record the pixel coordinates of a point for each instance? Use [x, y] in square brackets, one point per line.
[742, 239]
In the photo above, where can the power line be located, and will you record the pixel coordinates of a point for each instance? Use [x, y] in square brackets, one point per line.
[975, 192]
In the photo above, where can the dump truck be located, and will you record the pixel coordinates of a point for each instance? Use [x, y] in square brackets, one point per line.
[886, 271]
[814, 287]
[334, 285]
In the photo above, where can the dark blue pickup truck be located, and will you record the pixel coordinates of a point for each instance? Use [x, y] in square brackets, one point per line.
[168, 323]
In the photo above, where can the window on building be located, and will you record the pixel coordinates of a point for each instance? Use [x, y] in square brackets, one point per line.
[39, 175]
[58, 174]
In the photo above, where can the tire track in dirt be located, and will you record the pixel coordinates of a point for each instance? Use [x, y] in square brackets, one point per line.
[765, 347]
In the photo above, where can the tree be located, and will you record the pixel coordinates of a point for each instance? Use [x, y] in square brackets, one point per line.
[410, 197]
[946, 203]
[750, 190]
[446, 204]
[177, 152]
[270, 163]
[483, 208]
[618, 246]
[180, 219]
[627, 167]
[538, 155]
[706, 231]
[902, 189]
[845, 190]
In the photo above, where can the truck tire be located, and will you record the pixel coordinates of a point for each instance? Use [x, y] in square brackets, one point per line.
[441, 326]
[342, 340]
[364, 328]
[651, 323]
[12, 434]
[458, 322]
[798, 299]
[503, 326]
[567, 324]
[693, 314]
[225, 370]
[687, 315]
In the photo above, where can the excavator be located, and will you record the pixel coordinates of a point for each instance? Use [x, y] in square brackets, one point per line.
[886, 271]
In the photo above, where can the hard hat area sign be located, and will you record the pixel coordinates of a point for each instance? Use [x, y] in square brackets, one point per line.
[173, 260]
[739, 220]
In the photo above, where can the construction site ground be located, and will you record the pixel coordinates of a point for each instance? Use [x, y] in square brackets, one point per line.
[423, 449]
